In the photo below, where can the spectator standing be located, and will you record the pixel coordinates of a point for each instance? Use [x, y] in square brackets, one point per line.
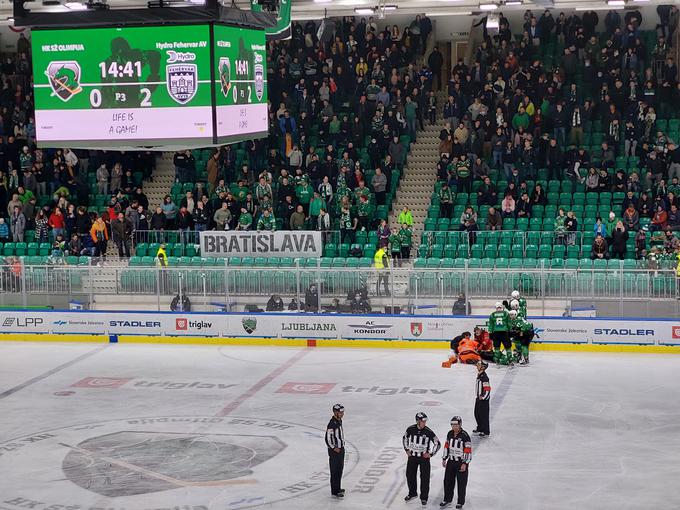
[100, 237]
[121, 231]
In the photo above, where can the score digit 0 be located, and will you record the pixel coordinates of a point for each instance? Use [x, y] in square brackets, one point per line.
[96, 97]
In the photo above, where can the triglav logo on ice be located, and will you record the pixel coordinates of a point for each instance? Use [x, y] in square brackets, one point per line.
[371, 328]
[64, 79]
[182, 81]
[249, 324]
[307, 388]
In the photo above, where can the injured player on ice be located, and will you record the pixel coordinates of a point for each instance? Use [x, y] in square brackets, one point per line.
[470, 350]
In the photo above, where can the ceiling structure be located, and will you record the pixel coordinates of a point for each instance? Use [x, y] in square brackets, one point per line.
[317, 9]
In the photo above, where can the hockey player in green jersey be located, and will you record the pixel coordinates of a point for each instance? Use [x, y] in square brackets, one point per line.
[522, 333]
[522, 310]
[499, 328]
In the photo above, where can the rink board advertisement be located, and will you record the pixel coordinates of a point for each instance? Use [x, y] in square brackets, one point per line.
[283, 243]
[328, 326]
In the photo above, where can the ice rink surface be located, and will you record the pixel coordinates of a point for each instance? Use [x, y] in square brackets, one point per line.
[135, 427]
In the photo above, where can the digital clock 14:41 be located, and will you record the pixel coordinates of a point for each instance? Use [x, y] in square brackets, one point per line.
[119, 69]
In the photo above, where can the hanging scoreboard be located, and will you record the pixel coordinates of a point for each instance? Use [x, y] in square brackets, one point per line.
[241, 82]
[164, 86]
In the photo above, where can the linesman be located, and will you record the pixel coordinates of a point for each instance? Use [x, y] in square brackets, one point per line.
[420, 443]
[335, 441]
[457, 457]
[482, 400]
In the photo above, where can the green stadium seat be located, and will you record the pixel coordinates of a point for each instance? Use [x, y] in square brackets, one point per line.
[531, 251]
[559, 251]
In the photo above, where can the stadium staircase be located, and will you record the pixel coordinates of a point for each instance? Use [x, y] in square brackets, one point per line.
[420, 176]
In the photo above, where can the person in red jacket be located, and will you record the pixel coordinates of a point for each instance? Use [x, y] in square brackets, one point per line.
[57, 222]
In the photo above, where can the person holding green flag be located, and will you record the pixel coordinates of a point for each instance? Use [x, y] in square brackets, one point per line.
[405, 240]
[395, 247]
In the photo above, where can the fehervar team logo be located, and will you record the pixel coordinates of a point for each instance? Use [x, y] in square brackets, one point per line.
[259, 76]
[416, 328]
[249, 324]
[64, 77]
[182, 81]
[224, 70]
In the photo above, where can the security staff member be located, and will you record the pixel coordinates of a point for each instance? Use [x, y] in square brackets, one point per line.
[335, 441]
[482, 401]
[420, 443]
[382, 265]
[457, 457]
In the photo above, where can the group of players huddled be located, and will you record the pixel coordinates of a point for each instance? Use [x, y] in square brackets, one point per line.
[507, 325]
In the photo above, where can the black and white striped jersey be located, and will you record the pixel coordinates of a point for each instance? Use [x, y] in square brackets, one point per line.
[418, 441]
[483, 386]
[458, 448]
[335, 437]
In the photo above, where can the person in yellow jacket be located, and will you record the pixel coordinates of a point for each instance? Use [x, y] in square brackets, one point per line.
[161, 256]
[406, 217]
[100, 237]
[381, 261]
[677, 268]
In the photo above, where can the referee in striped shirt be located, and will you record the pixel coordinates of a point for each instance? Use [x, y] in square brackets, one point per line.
[457, 457]
[335, 441]
[420, 443]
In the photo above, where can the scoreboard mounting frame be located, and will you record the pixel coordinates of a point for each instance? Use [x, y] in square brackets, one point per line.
[152, 86]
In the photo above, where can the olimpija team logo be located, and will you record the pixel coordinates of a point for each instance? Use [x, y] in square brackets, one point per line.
[249, 324]
[182, 81]
[64, 78]
[224, 70]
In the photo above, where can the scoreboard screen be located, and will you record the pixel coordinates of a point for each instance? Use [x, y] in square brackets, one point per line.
[241, 82]
[148, 86]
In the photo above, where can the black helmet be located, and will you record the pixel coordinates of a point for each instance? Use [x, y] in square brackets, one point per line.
[421, 417]
[458, 420]
[338, 408]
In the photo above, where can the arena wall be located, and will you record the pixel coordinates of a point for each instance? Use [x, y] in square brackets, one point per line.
[326, 330]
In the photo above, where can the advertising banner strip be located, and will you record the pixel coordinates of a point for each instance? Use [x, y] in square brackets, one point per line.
[326, 327]
[261, 244]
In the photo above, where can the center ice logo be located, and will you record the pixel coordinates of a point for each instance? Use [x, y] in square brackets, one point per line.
[64, 78]
[182, 81]
[230, 463]
[198, 460]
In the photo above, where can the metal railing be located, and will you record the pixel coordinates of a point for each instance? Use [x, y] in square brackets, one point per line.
[632, 292]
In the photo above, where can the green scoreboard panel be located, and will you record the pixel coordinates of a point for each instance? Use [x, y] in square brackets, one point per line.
[241, 82]
[149, 86]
